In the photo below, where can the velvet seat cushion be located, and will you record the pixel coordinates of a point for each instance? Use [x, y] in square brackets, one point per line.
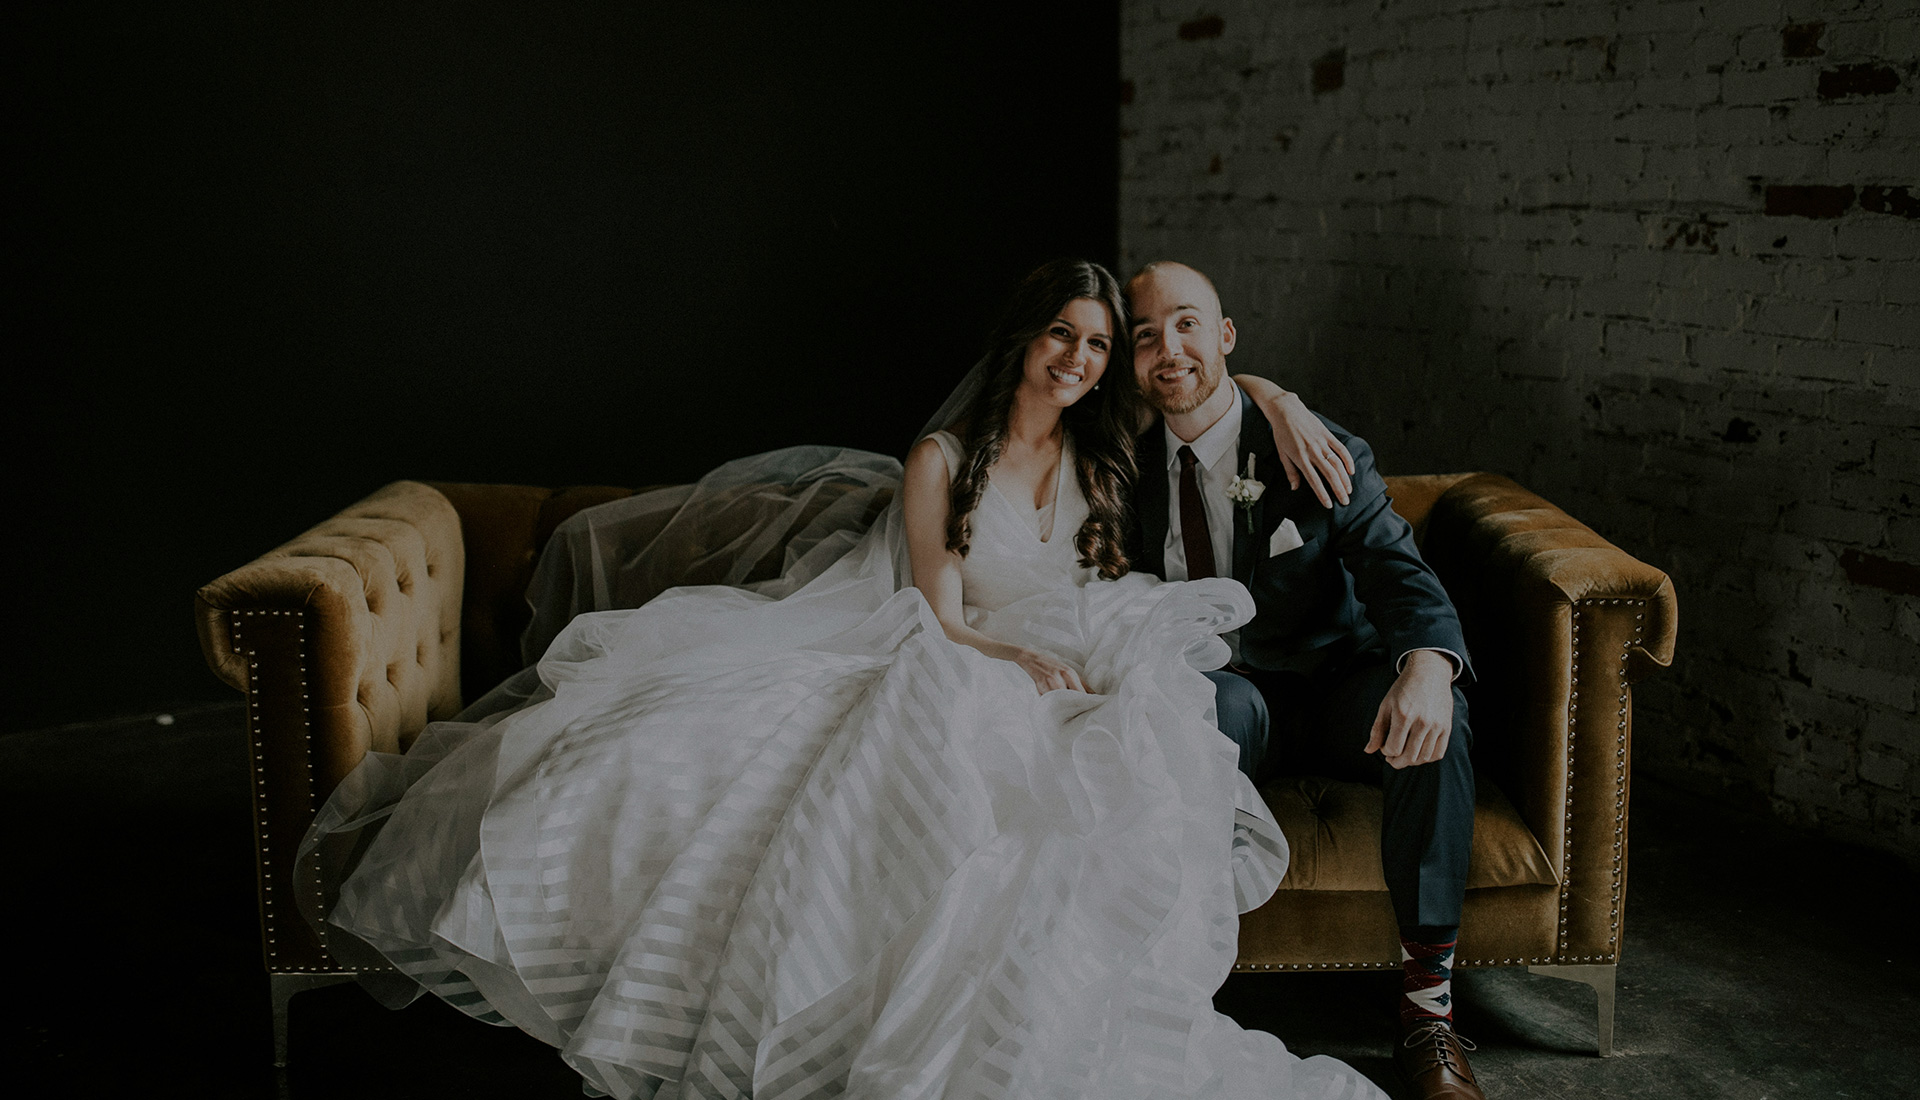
[1334, 830]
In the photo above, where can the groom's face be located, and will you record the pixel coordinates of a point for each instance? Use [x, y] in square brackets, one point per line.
[1180, 340]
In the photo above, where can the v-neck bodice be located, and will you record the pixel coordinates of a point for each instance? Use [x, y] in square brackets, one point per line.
[1008, 557]
[1044, 514]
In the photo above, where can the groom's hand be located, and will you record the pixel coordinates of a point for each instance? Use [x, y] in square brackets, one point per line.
[1415, 720]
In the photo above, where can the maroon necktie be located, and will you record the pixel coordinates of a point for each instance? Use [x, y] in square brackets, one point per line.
[1193, 519]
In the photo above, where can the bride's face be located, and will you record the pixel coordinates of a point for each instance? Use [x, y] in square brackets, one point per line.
[1066, 361]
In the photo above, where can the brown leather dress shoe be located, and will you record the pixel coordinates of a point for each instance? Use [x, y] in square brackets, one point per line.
[1432, 1060]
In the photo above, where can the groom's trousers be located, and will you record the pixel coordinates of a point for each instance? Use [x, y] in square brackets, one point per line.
[1319, 724]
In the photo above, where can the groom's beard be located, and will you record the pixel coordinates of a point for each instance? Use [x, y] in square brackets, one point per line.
[1206, 378]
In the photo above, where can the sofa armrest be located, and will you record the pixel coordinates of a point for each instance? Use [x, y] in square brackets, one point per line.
[1560, 623]
[343, 640]
[377, 593]
[1527, 543]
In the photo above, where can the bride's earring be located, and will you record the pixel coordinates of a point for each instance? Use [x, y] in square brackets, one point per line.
[1096, 385]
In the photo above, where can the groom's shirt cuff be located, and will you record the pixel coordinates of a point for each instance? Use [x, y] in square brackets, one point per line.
[1459, 665]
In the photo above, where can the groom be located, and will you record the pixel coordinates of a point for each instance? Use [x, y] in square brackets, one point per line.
[1354, 651]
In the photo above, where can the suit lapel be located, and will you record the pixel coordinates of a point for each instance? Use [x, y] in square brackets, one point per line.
[1256, 438]
[1151, 499]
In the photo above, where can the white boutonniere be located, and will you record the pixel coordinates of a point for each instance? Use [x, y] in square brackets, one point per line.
[1243, 491]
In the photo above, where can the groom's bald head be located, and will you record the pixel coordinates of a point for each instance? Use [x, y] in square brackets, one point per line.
[1180, 338]
[1175, 276]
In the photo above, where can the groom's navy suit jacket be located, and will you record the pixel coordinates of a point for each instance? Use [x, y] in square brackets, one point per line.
[1356, 582]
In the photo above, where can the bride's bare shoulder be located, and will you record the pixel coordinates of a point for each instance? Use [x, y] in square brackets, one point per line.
[927, 463]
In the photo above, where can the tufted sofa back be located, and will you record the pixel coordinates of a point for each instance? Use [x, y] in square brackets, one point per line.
[504, 528]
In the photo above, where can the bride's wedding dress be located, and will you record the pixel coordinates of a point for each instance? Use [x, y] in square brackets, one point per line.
[738, 846]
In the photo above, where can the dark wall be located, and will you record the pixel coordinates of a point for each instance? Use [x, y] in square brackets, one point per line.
[275, 257]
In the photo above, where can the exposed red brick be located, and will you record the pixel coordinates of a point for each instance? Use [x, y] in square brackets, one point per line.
[1214, 168]
[1207, 26]
[1865, 79]
[1810, 200]
[1330, 71]
[1898, 577]
[1802, 40]
[1898, 201]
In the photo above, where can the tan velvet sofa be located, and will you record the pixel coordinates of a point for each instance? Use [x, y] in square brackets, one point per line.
[393, 613]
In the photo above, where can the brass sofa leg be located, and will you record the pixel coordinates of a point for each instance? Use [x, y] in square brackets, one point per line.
[284, 986]
[1600, 977]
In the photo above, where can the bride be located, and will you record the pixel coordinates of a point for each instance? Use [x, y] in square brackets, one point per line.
[940, 811]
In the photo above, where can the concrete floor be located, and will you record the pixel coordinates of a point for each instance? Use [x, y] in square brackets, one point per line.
[1759, 963]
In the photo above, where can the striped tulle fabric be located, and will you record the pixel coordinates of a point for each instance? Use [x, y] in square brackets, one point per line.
[809, 847]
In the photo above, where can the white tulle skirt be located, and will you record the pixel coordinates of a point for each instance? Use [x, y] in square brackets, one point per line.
[744, 847]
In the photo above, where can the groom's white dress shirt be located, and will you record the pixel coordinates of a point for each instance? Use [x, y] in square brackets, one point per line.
[1216, 448]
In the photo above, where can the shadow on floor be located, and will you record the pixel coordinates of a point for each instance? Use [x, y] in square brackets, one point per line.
[1758, 963]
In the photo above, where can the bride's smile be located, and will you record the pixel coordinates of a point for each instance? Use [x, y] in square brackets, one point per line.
[1067, 359]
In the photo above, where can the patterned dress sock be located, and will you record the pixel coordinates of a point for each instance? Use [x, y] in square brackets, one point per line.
[1426, 986]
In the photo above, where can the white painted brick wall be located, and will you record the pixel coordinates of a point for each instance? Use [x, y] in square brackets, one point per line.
[1534, 238]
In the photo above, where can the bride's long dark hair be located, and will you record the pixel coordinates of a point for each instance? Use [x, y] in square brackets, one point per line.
[1100, 424]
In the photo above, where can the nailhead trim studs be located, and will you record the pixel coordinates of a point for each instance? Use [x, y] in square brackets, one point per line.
[1624, 697]
[1538, 960]
[256, 738]
[1566, 826]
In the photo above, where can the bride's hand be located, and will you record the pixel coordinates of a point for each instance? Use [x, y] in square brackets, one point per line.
[1307, 448]
[1049, 673]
